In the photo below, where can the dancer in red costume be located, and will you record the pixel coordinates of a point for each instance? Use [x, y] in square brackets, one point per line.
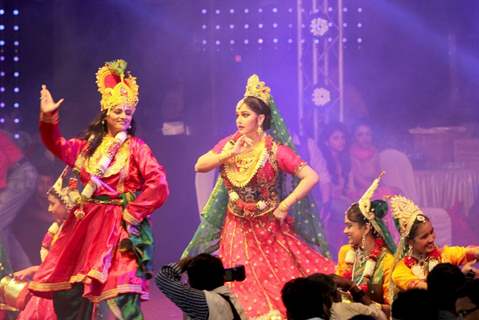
[39, 308]
[257, 231]
[103, 251]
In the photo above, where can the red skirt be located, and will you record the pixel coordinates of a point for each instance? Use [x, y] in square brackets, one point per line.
[87, 251]
[38, 309]
[272, 255]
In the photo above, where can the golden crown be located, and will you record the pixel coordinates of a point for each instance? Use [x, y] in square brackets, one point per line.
[405, 212]
[116, 86]
[258, 89]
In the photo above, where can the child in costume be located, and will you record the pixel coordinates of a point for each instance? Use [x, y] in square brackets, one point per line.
[417, 253]
[39, 308]
[368, 258]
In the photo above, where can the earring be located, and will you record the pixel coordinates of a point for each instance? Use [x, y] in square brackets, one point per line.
[260, 130]
[363, 241]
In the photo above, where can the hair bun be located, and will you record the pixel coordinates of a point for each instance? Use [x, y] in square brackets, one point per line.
[380, 208]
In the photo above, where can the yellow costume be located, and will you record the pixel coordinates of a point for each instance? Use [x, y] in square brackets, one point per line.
[404, 278]
[409, 272]
[380, 280]
[371, 274]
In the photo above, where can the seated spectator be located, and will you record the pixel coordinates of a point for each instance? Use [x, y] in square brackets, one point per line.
[364, 158]
[331, 161]
[467, 303]
[365, 167]
[205, 297]
[303, 300]
[345, 310]
[414, 304]
[442, 283]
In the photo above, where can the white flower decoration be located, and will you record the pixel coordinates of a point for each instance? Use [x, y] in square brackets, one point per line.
[261, 205]
[233, 196]
[418, 271]
[369, 268]
[321, 96]
[432, 264]
[319, 27]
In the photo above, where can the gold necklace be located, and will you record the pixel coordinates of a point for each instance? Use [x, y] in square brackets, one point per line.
[242, 168]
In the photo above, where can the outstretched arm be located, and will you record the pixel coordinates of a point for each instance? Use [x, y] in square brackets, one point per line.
[66, 150]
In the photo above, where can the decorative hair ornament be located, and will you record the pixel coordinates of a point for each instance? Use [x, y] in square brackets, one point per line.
[405, 213]
[116, 86]
[68, 194]
[256, 88]
[365, 201]
[367, 211]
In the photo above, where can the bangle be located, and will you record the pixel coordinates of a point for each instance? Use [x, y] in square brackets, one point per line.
[283, 206]
[225, 155]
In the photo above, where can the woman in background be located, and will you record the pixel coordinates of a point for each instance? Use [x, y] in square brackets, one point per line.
[332, 163]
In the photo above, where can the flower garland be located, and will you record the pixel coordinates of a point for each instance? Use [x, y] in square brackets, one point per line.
[102, 166]
[49, 238]
[352, 258]
[421, 267]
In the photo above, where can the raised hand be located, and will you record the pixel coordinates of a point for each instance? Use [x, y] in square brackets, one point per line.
[243, 144]
[47, 104]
